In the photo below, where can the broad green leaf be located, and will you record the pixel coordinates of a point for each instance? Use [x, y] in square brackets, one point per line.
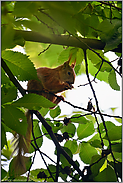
[107, 175]
[16, 169]
[20, 65]
[63, 160]
[15, 119]
[77, 118]
[94, 57]
[34, 173]
[3, 173]
[3, 136]
[117, 147]
[104, 166]
[38, 136]
[95, 143]
[95, 168]
[7, 37]
[33, 101]
[48, 58]
[8, 95]
[22, 5]
[4, 78]
[85, 130]
[86, 152]
[70, 128]
[109, 125]
[44, 111]
[114, 133]
[35, 26]
[112, 81]
[55, 112]
[102, 76]
[72, 145]
[62, 13]
[7, 150]
[119, 120]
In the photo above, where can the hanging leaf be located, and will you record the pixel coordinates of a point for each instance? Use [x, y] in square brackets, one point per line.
[16, 169]
[72, 145]
[84, 130]
[104, 175]
[33, 101]
[112, 81]
[86, 152]
[20, 65]
[15, 119]
[55, 112]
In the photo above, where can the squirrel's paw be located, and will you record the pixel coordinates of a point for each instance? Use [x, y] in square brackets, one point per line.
[68, 86]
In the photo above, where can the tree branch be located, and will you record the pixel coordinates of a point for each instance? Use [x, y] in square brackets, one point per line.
[64, 40]
[12, 78]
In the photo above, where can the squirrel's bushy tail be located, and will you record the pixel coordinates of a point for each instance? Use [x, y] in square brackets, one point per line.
[21, 146]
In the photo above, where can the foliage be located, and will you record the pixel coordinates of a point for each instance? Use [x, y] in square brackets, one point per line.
[49, 32]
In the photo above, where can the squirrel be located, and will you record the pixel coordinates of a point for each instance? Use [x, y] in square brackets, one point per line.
[51, 81]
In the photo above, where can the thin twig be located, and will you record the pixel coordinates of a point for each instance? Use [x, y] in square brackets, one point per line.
[86, 63]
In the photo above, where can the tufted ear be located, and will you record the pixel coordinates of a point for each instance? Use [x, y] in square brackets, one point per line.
[69, 58]
[73, 64]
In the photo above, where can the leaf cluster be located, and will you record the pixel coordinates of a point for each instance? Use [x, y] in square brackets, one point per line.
[94, 27]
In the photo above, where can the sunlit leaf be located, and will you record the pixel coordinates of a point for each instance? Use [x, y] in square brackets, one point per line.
[86, 152]
[33, 101]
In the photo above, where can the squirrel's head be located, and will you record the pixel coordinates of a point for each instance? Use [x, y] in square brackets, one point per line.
[68, 73]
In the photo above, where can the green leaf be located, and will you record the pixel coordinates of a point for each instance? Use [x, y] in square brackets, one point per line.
[7, 37]
[18, 9]
[112, 81]
[94, 57]
[96, 143]
[86, 152]
[118, 119]
[72, 145]
[4, 78]
[55, 112]
[102, 76]
[15, 119]
[70, 128]
[63, 160]
[104, 175]
[9, 95]
[7, 150]
[3, 173]
[85, 130]
[3, 136]
[95, 168]
[114, 133]
[20, 65]
[117, 147]
[37, 134]
[16, 169]
[109, 125]
[77, 118]
[44, 111]
[33, 101]
[62, 13]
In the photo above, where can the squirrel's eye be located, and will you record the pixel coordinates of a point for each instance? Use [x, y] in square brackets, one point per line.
[69, 73]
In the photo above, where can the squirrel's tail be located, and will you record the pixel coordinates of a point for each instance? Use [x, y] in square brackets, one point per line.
[21, 146]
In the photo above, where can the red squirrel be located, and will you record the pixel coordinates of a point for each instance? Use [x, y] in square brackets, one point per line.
[52, 81]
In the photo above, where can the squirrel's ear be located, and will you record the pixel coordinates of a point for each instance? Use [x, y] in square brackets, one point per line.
[69, 58]
[73, 64]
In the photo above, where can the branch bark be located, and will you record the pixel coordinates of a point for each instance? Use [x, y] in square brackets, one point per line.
[64, 40]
